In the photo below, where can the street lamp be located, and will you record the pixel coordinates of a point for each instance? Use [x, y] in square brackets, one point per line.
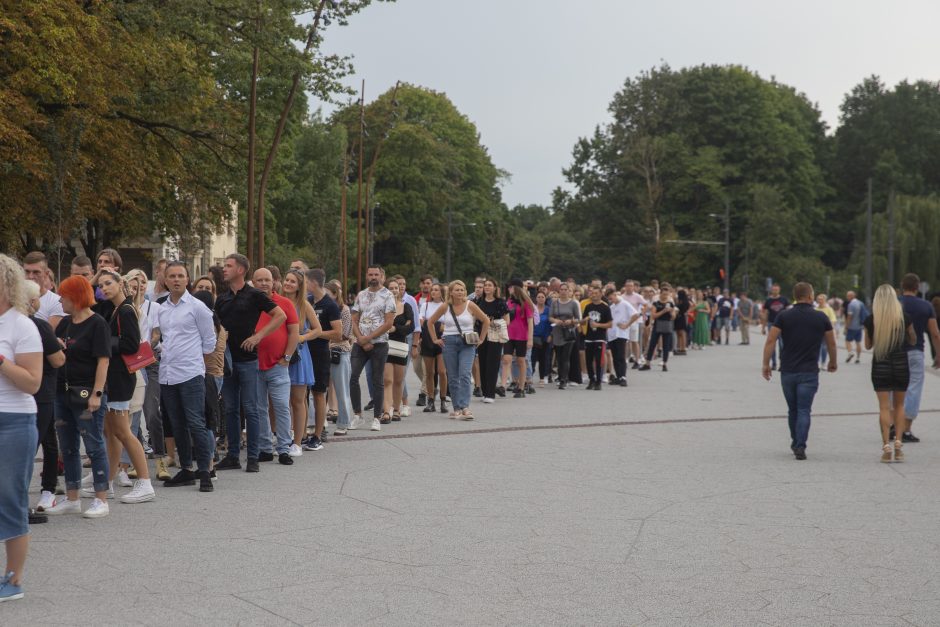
[450, 239]
[727, 221]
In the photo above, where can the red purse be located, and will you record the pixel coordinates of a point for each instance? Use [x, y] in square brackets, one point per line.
[142, 358]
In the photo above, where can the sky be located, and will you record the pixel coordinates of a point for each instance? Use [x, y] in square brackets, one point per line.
[536, 75]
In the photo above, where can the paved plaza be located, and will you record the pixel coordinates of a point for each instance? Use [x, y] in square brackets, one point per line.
[675, 501]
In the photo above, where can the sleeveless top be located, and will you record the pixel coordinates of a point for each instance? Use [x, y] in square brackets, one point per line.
[465, 319]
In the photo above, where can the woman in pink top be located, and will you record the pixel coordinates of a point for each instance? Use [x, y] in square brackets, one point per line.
[521, 324]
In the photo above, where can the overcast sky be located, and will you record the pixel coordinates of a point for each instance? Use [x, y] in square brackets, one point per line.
[535, 75]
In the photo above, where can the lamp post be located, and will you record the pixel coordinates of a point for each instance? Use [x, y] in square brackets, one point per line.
[727, 220]
[450, 239]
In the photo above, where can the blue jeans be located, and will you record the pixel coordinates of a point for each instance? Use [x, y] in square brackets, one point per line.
[339, 375]
[185, 404]
[275, 384]
[915, 385]
[73, 427]
[358, 360]
[241, 391]
[823, 353]
[458, 360]
[18, 441]
[135, 430]
[799, 388]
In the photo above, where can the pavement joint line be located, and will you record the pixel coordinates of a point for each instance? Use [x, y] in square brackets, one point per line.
[593, 425]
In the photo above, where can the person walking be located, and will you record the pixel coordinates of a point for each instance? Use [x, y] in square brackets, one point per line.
[662, 319]
[924, 320]
[803, 330]
[21, 374]
[373, 314]
[854, 318]
[188, 335]
[822, 306]
[458, 345]
[774, 304]
[888, 332]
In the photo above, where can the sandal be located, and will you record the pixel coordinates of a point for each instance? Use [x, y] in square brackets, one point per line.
[453, 415]
[386, 419]
[467, 414]
[396, 417]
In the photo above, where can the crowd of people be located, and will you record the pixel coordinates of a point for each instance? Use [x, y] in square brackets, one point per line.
[191, 370]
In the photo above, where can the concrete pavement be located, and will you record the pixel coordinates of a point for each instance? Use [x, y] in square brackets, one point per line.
[673, 502]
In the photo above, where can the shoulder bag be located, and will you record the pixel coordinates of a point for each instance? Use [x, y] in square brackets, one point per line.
[77, 395]
[470, 338]
[144, 355]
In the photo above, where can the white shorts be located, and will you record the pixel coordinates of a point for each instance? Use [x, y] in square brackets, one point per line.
[634, 332]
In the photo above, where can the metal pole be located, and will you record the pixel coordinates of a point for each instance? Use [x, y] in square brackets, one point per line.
[727, 245]
[450, 243]
[868, 248]
[891, 238]
[371, 237]
[359, 225]
[342, 222]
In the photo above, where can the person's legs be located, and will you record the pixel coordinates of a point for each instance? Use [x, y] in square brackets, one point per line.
[266, 415]
[231, 400]
[298, 411]
[45, 428]
[418, 366]
[248, 379]
[441, 378]
[885, 415]
[277, 381]
[589, 350]
[152, 411]
[91, 428]
[358, 358]
[915, 387]
[807, 383]
[823, 353]
[745, 332]
[667, 347]
[377, 357]
[339, 376]
[461, 391]
[173, 405]
[897, 407]
[521, 365]
[489, 367]
[452, 366]
[563, 357]
[18, 442]
[388, 380]
[429, 376]
[192, 395]
[67, 429]
[369, 382]
[788, 382]
[398, 387]
[135, 430]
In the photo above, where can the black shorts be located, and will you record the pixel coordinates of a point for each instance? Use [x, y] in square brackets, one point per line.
[515, 347]
[320, 354]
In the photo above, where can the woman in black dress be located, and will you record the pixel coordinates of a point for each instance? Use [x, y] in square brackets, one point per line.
[682, 321]
[888, 332]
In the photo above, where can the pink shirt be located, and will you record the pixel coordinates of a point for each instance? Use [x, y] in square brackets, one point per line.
[519, 317]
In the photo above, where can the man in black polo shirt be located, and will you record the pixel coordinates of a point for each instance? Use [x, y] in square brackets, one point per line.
[803, 330]
[239, 308]
[331, 323]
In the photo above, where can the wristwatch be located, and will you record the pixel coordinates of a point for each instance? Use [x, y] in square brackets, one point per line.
[99, 393]
[287, 357]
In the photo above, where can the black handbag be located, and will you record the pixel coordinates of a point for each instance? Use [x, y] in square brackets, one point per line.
[77, 395]
[335, 355]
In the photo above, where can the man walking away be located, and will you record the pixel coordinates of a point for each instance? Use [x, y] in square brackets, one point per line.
[854, 317]
[774, 304]
[746, 312]
[924, 319]
[803, 330]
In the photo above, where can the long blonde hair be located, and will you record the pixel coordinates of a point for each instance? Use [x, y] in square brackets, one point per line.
[13, 284]
[141, 296]
[888, 319]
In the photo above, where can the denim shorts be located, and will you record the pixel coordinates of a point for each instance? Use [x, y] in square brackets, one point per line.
[853, 335]
[18, 438]
[119, 405]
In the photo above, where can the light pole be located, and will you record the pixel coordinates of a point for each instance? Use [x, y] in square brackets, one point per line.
[450, 239]
[727, 221]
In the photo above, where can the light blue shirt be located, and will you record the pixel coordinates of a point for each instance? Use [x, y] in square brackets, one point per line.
[188, 334]
[408, 299]
[854, 309]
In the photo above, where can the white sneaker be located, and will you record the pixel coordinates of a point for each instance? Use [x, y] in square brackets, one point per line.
[375, 425]
[98, 509]
[142, 492]
[487, 399]
[65, 507]
[295, 451]
[46, 501]
[339, 431]
[88, 481]
[123, 480]
[89, 493]
[405, 411]
[355, 424]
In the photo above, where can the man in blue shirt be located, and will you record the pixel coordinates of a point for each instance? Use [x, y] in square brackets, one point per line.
[803, 330]
[924, 319]
[854, 317]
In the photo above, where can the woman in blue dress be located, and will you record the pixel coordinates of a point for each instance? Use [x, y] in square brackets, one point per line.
[301, 365]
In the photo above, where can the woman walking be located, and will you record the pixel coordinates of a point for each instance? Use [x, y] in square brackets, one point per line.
[458, 346]
[662, 319]
[490, 349]
[888, 331]
[21, 357]
[432, 353]
[564, 315]
[301, 365]
[402, 327]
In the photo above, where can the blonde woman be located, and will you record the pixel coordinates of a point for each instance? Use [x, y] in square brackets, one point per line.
[294, 289]
[402, 327]
[432, 353]
[822, 306]
[457, 319]
[340, 366]
[888, 331]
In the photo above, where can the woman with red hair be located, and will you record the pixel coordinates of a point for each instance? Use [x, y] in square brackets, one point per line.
[86, 340]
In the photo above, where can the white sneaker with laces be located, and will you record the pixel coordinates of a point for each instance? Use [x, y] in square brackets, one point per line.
[405, 411]
[98, 509]
[123, 480]
[375, 425]
[487, 399]
[46, 501]
[355, 424]
[142, 492]
[89, 493]
[65, 507]
[295, 451]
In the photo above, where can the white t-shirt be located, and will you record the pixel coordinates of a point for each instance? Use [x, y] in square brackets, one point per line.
[428, 309]
[49, 305]
[148, 319]
[621, 312]
[18, 334]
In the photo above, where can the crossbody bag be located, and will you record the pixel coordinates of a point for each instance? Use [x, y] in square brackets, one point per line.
[470, 338]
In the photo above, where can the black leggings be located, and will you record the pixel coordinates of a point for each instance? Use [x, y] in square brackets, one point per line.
[489, 354]
[542, 356]
[563, 359]
[45, 424]
[667, 345]
[618, 353]
[594, 356]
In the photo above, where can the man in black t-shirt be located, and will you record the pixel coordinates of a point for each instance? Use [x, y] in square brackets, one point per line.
[331, 325]
[599, 319]
[774, 304]
[725, 310]
[803, 330]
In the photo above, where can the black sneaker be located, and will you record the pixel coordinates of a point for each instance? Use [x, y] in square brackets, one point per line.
[590, 386]
[252, 466]
[265, 457]
[183, 477]
[597, 386]
[229, 463]
[443, 406]
[635, 366]
[665, 369]
[285, 459]
[907, 436]
[622, 382]
[422, 400]
[430, 407]
[212, 474]
[37, 518]
[369, 405]
[561, 385]
[477, 392]
[529, 389]
[501, 391]
[644, 367]
[518, 394]
[205, 482]
[313, 444]
[512, 387]
[799, 453]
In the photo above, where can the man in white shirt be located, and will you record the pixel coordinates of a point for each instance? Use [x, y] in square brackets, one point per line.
[188, 334]
[50, 308]
[632, 295]
[618, 335]
[373, 314]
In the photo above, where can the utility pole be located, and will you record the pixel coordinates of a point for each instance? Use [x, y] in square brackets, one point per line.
[359, 225]
[868, 247]
[342, 223]
[891, 238]
[450, 242]
[727, 245]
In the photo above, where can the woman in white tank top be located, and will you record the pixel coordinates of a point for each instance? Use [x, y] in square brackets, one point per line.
[458, 320]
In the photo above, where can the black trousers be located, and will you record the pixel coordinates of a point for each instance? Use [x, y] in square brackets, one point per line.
[594, 356]
[618, 352]
[542, 357]
[574, 364]
[489, 354]
[667, 345]
[563, 359]
[45, 424]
